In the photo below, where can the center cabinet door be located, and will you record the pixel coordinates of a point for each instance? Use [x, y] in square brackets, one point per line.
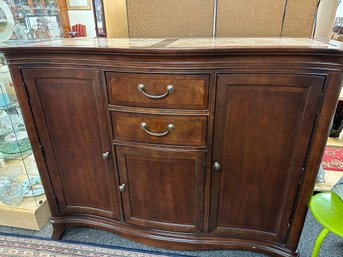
[263, 127]
[163, 189]
[70, 118]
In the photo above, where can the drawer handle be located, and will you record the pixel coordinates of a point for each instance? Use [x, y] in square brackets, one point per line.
[144, 126]
[170, 89]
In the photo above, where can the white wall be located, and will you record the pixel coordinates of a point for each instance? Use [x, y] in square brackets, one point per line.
[340, 9]
[85, 17]
[325, 18]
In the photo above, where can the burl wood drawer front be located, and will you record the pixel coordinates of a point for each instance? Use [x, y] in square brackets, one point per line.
[154, 128]
[158, 90]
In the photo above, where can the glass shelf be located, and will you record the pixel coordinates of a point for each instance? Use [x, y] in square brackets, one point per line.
[13, 104]
[22, 195]
[22, 198]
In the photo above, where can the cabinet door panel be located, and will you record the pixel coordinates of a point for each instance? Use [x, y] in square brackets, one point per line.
[71, 124]
[164, 189]
[263, 126]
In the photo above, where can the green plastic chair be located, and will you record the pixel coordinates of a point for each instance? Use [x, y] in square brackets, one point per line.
[327, 208]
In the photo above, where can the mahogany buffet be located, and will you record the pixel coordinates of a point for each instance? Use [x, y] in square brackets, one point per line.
[209, 143]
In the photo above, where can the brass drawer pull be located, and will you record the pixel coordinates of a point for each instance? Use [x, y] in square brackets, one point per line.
[144, 126]
[170, 89]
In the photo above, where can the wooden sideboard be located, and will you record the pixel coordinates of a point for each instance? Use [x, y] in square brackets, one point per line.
[180, 143]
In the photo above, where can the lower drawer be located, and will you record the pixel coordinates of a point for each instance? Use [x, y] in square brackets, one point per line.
[165, 129]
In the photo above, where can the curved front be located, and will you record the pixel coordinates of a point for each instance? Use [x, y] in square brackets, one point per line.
[172, 240]
[246, 128]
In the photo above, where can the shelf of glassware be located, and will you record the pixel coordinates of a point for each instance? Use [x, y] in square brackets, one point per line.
[22, 200]
[31, 212]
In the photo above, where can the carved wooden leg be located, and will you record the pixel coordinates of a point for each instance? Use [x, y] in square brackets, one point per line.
[58, 231]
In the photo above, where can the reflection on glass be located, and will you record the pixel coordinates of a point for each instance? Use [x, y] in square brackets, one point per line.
[34, 19]
[17, 164]
[21, 187]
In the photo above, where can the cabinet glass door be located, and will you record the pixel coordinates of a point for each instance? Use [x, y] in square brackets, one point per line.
[21, 189]
[34, 20]
[22, 199]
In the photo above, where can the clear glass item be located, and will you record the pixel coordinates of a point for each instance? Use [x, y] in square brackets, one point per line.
[21, 189]
[12, 194]
[17, 164]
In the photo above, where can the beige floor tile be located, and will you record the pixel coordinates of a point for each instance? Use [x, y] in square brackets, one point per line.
[331, 178]
[338, 141]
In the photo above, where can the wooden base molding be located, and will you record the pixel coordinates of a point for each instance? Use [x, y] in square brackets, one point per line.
[170, 240]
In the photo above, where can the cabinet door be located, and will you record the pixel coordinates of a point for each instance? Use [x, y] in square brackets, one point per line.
[69, 114]
[163, 189]
[263, 127]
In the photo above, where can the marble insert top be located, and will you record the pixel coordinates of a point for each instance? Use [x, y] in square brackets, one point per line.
[180, 43]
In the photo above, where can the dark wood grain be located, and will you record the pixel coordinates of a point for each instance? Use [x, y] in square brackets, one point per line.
[164, 189]
[58, 231]
[187, 130]
[262, 132]
[333, 84]
[263, 112]
[69, 118]
[176, 240]
[190, 91]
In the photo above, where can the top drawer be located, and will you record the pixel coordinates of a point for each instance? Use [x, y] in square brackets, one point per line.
[158, 90]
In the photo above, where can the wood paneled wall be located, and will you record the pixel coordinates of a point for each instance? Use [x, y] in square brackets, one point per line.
[195, 18]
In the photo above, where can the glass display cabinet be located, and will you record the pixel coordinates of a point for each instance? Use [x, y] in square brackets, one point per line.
[35, 19]
[22, 200]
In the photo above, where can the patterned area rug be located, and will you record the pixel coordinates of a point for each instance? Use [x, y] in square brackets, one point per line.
[24, 246]
[333, 158]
